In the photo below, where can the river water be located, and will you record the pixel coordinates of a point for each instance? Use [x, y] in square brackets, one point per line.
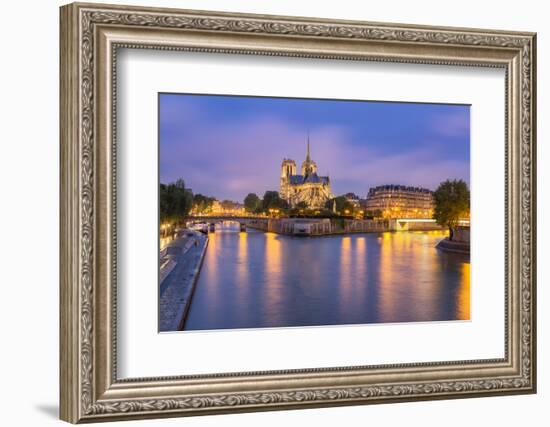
[254, 279]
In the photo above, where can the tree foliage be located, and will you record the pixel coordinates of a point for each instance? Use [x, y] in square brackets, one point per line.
[228, 205]
[342, 205]
[452, 202]
[202, 203]
[175, 201]
[252, 203]
[272, 200]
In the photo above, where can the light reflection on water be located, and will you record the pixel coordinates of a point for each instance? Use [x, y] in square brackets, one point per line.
[254, 279]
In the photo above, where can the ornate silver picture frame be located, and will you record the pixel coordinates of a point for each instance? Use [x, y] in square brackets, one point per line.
[91, 390]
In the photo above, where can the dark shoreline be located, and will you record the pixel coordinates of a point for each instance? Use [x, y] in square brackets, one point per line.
[455, 247]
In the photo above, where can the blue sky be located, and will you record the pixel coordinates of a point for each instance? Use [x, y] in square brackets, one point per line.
[229, 146]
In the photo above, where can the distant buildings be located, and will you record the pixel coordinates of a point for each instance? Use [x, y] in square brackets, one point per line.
[399, 201]
[307, 187]
[311, 191]
[216, 207]
[353, 199]
[232, 208]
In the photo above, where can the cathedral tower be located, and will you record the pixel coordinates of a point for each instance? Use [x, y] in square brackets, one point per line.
[309, 167]
[288, 169]
[308, 188]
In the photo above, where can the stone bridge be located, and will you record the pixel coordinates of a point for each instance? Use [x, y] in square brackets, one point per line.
[259, 222]
[220, 218]
[322, 226]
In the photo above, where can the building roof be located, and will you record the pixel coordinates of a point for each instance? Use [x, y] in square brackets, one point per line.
[392, 187]
[296, 179]
[311, 178]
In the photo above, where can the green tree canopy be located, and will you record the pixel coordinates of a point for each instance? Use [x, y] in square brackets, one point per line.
[175, 201]
[342, 205]
[272, 200]
[252, 203]
[202, 203]
[452, 202]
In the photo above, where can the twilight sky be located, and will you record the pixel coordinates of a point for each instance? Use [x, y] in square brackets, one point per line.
[229, 146]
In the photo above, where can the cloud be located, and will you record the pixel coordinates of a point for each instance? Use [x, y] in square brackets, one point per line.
[228, 160]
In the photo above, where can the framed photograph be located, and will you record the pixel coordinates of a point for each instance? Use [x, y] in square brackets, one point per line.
[265, 212]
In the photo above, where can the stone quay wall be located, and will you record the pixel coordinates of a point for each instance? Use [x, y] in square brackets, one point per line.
[327, 226]
[180, 267]
[318, 226]
[462, 234]
[460, 242]
[424, 226]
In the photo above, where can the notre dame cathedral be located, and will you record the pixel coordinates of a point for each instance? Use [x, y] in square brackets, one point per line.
[308, 187]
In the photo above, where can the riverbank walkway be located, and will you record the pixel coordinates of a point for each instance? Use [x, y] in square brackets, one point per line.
[179, 269]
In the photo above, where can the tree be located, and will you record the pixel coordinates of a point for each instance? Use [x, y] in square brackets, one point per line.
[342, 205]
[228, 205]
[252, 203]
[272, 200]
[175, 201]
[452, 202]
[202, 203]
[301, 209]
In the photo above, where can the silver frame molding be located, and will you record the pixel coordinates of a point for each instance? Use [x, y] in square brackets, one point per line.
[90, 37]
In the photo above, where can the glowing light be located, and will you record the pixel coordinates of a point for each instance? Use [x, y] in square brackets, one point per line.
[464, 293]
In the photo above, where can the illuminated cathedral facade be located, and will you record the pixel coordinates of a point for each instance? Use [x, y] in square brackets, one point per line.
[307, 187]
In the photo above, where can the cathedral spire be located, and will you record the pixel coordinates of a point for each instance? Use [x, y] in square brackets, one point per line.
[308, 158]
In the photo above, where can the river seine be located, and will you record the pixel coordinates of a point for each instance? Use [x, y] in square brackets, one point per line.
[254, 279]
